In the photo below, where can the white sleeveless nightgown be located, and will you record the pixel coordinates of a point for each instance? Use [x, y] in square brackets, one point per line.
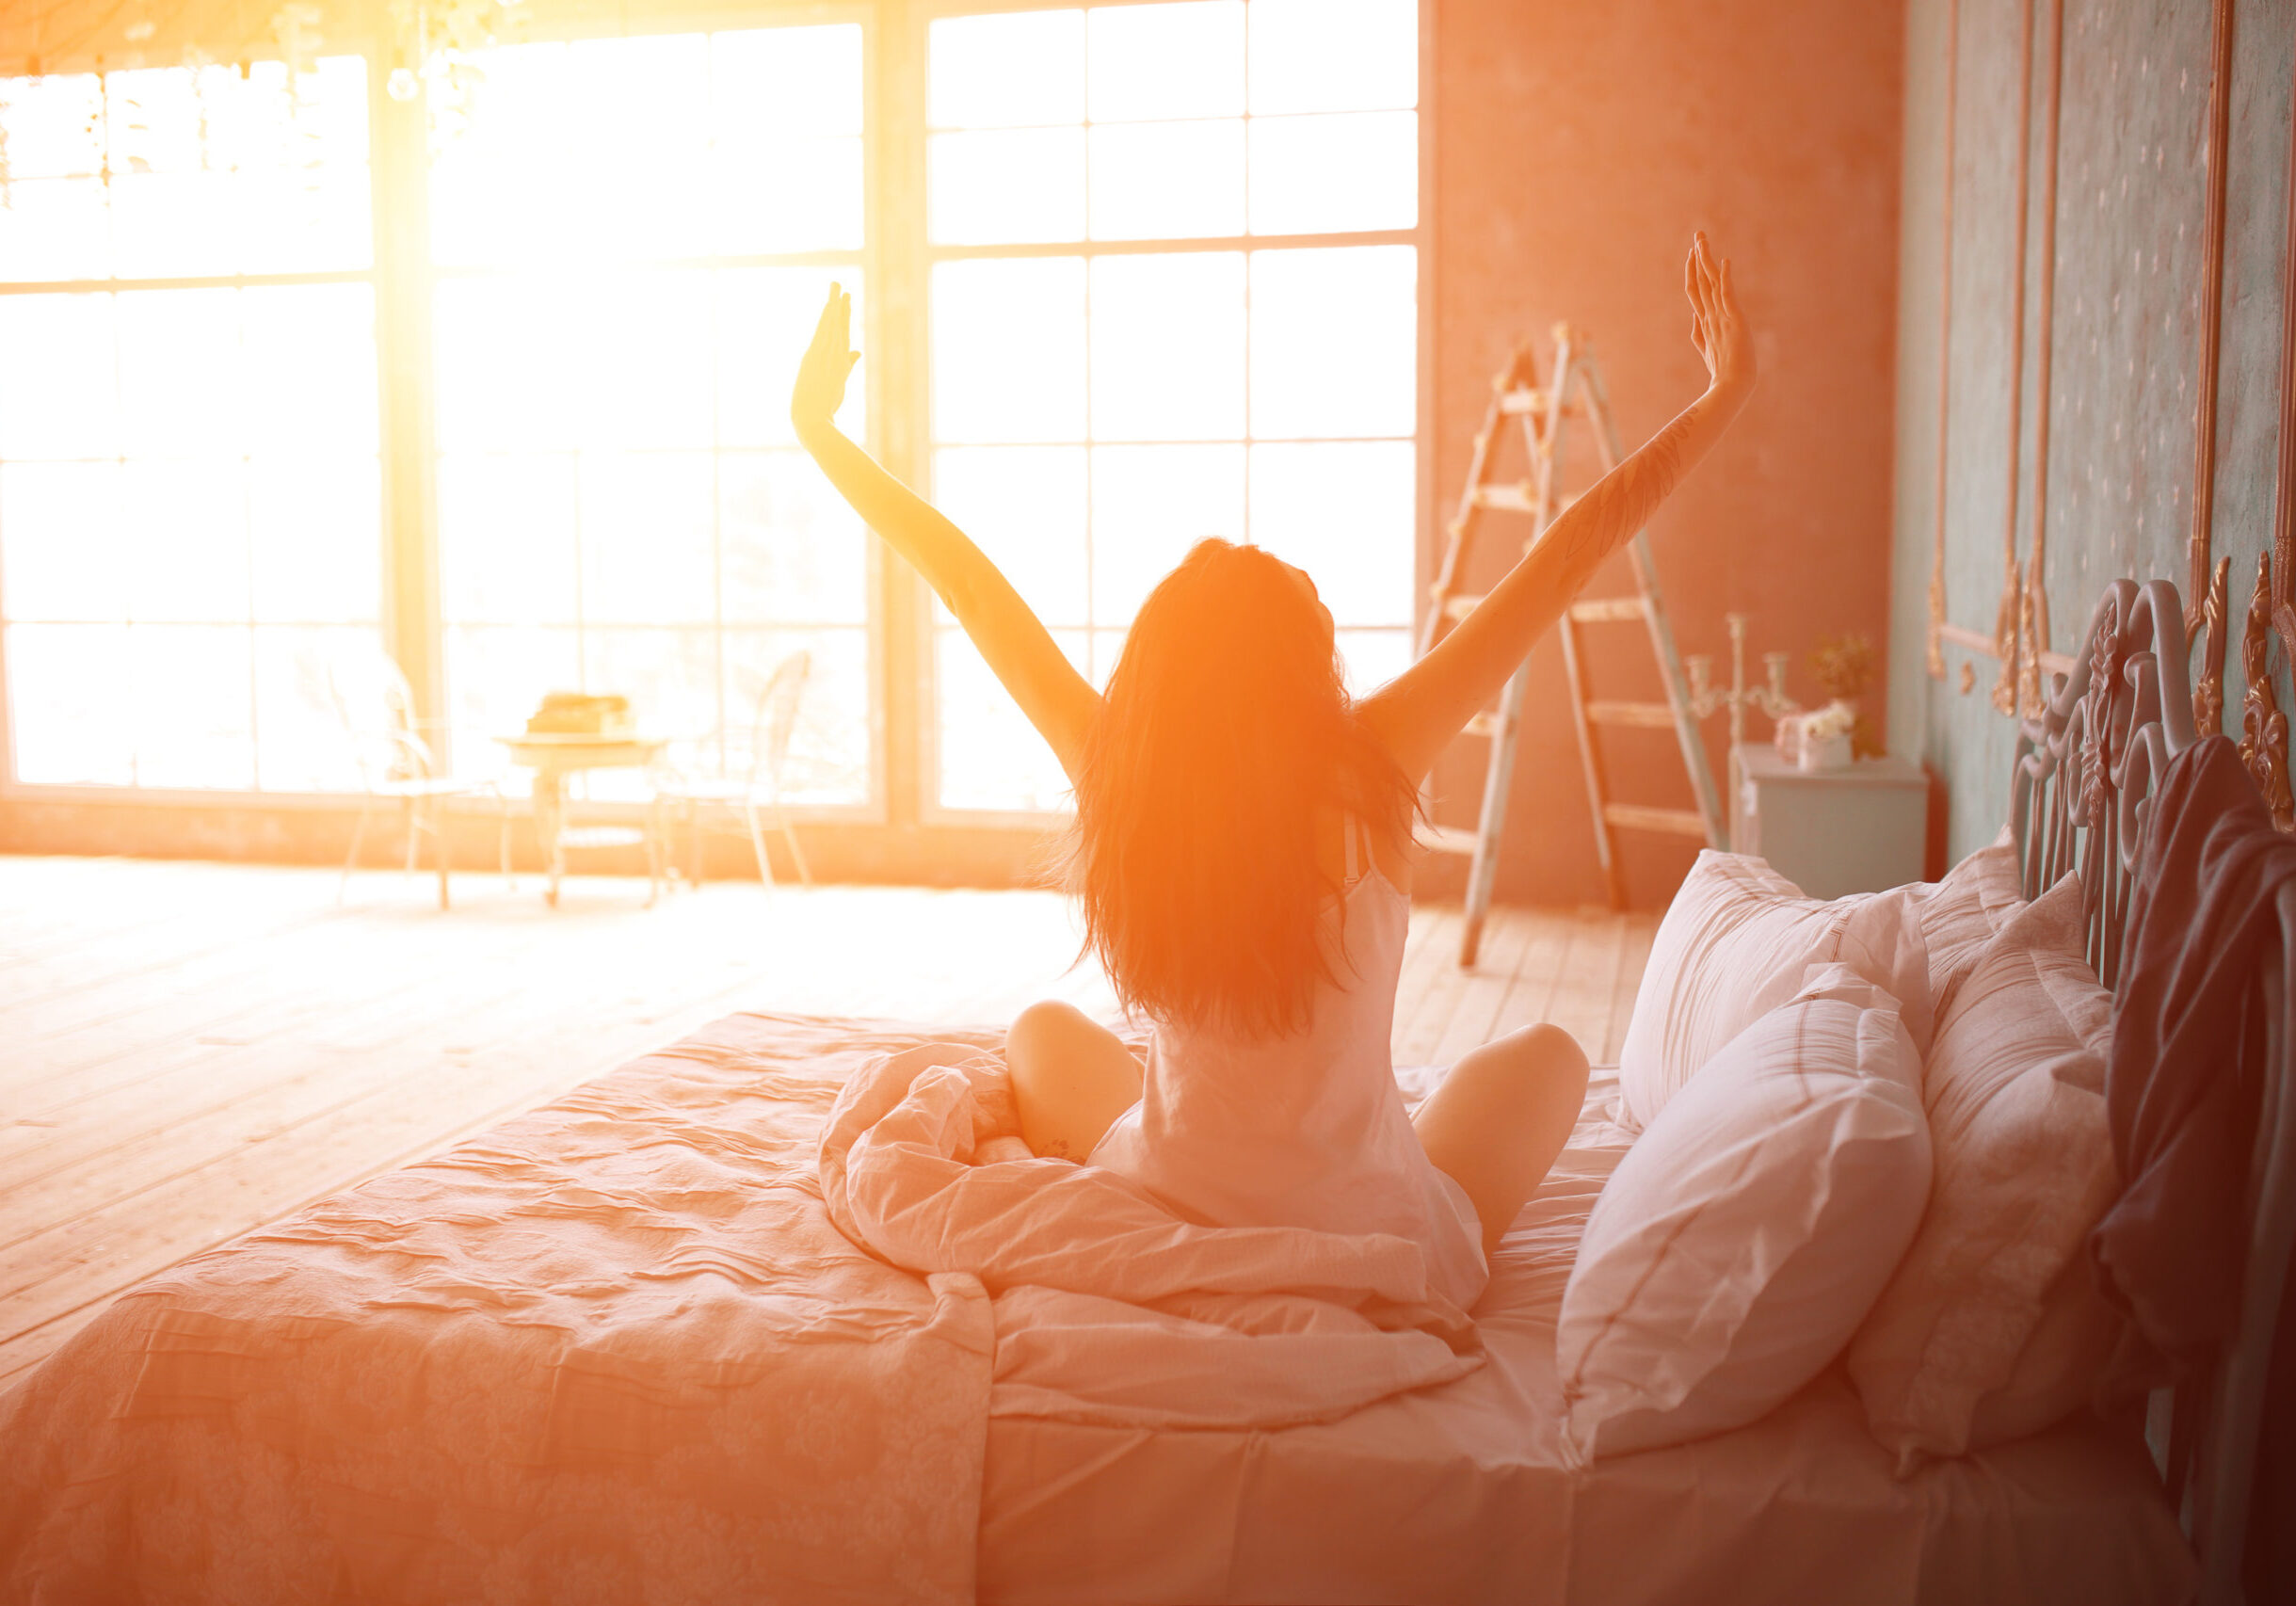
[1306, 1130]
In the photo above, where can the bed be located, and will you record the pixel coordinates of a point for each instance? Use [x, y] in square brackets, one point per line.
[621, 1349]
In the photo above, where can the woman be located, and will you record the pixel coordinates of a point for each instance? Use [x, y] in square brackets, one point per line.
[1243, 852]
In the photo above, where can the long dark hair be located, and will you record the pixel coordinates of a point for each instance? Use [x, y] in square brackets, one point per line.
[1226, 735]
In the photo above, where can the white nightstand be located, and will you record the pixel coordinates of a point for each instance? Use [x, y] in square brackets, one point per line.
[1830, 831]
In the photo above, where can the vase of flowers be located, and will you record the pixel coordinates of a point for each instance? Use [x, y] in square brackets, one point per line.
[1837, 735]
[1824, 737]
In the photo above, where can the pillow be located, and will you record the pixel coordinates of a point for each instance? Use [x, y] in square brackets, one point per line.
[2060, 1366]
[1959, 915]
[1991, 1328]
[1744, 1237]
[1735, 945]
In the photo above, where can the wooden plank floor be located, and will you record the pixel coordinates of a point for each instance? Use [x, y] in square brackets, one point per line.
[190, 1049]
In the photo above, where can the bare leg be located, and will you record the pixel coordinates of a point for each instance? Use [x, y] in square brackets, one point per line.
[1502, 1117]
[1071, 1077]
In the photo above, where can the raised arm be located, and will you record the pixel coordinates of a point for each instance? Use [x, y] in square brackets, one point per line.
[1418, 712]
[1059, 702]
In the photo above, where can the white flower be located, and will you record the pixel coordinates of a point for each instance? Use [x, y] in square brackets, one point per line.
[1835, 719]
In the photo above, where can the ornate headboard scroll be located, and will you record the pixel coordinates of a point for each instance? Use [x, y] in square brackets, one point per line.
[2081, 798]
[2086, 769]
[2082, 786]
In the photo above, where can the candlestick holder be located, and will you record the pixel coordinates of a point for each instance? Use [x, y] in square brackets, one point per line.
[1770, 698]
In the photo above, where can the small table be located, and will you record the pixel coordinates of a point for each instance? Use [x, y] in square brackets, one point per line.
[554, 755]
[1830, 831]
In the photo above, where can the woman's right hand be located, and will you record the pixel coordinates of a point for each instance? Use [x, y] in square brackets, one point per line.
[820, 390]
[1717, 328]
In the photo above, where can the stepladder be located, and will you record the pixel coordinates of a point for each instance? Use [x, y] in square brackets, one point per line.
[1543, 415]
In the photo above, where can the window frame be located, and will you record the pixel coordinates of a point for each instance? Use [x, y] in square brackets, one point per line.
[920, 18]
[15, 791]
[429, 634]
[896, 262]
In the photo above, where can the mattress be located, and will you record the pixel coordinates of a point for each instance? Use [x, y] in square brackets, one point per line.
[614, 1350]
[1460, 1493]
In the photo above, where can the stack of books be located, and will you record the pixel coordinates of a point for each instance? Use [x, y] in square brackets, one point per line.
[579, 713]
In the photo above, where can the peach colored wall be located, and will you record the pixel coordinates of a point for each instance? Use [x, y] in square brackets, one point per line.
[1579, 145]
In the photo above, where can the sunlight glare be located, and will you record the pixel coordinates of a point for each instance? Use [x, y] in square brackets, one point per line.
[1328, 173]
[64, 554]
[71, 342]
[314, 537]
[1006, 186]
[71, 710]
[1025, 505]
[648, 523]
[54, 229]
[1305, 383]
[1168, 179]
[764, 320]
[1333, 508]
[1007, 70]
[1333, 55]
[990, 756]
[1168, 346]
[1155, 62]
[1149, 506]
[182, 386]
[1008, 350]
[506, 539]
[770, 83]
[788, 546]
[185, 546]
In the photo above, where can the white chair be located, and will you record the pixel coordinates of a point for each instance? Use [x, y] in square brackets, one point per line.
[376, 705]
[773, 717]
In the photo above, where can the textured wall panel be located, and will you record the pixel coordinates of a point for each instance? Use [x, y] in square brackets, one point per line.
[2127, 280]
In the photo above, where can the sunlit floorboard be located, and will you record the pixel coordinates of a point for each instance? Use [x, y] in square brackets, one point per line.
[190, 1049]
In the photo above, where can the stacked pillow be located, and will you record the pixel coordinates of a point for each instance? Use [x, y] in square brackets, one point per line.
[1773, 1207]
[1991, 1328]
[1745, 1234]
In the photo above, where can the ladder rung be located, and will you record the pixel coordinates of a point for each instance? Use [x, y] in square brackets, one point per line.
[1676, 822]
[1514, 498]
[1573, 388]
[1652, 716]
[1533, 398]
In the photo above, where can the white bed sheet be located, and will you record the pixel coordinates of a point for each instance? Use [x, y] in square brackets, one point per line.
[1460, 1493]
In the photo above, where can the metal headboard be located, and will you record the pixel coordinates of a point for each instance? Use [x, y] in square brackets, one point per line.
[2080, 799]
[2082, 789]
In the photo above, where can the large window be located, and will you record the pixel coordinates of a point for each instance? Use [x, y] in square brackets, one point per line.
[1127, 274]
[633, 236]
[1172, 296]
[189, 502]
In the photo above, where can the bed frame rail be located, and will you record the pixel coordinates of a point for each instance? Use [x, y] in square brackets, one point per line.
[2081, 793]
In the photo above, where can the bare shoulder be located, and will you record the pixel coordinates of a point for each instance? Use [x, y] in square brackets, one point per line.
[1397, 718]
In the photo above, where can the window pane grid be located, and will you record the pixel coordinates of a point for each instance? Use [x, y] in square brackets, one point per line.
[670, 539]
[190, 485]
[629, 512]
[181, 172]
[1113, 380]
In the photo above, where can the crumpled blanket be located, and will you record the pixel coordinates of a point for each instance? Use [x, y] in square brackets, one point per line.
[611, 1351]
[1110, 1309]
